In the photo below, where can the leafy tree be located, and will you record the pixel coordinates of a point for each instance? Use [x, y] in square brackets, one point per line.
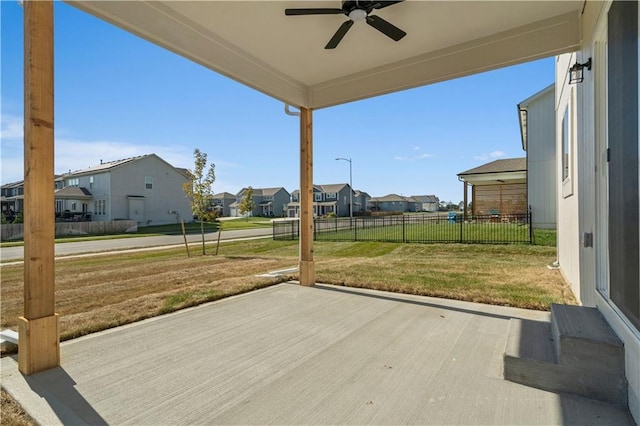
[246, 204]
[199, 190]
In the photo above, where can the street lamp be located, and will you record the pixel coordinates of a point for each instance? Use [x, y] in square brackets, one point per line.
[350, 188]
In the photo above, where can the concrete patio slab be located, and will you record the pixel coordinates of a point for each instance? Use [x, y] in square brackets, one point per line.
[300, 355]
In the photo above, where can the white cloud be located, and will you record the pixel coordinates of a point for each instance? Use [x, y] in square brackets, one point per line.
[412, 158]
[11, 127]
[416, 148]
[497, 154]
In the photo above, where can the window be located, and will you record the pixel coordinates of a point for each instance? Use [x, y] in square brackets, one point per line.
[317, 196]
[73, 182]
[148, 182]
[567, 138]
[101, 207]
[565, 144]
[90, 182]
[332, 195]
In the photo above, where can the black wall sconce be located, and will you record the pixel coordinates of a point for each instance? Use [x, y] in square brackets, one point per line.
[576, 72]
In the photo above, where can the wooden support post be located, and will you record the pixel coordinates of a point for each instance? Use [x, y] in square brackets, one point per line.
[466, 208]
[307, 267]
[39, 343]
[474, 208]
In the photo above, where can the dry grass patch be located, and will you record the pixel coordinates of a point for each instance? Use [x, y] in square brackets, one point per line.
[11, 413]
[96, 293]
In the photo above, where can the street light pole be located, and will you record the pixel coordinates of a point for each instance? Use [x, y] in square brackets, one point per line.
[350, 187]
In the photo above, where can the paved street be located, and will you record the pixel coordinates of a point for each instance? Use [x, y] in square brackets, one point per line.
[65, 249]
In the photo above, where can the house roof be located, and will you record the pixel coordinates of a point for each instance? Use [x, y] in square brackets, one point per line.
[425, 198]
[109, 165]
[332, 187]
[284, 56]
[359, 193]
[257, 192]
[224, 196]
[499, 166]
[392, 197]
[74, 193]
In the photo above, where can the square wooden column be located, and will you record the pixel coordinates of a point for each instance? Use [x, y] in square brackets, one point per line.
[38, 341]
[307, 266]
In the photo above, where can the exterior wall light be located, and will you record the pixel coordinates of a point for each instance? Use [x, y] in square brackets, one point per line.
[576, 72]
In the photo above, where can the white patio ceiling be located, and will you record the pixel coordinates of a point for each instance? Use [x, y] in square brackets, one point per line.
[254, 43]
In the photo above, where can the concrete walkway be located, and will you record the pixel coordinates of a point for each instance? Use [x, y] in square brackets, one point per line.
[296, 355]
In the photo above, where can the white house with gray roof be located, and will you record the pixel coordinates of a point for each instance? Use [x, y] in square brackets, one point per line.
[332, 198]
[221, 203]
[146, 189]
[267, 202]
[394, 203]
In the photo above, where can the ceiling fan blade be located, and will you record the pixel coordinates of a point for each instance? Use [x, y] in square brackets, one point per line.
[293, 12]
[337, 37]
[383, 4]
[385, 27]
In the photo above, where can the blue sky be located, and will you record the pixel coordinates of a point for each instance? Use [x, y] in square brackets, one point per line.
[118, 96]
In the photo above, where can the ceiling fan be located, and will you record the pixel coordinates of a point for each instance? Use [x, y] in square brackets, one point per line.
[355, 10]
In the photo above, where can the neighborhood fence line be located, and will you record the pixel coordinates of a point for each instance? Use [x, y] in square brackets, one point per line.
[479, 229]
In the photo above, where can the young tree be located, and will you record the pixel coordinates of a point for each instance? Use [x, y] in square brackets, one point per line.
[246, 204]
[199, 190]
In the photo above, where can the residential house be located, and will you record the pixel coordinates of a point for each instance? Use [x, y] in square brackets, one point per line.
[428, 203]
[537, 117]
[498, 187]
[146, 189]
[12, 198]
[221, 203]
[267, 202]
[395, 203]
[333, 198]
[361, 201]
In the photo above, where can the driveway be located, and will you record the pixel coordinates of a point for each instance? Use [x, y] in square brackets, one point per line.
[65, 249]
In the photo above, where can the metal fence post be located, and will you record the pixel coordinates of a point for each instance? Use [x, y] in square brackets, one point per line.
[355, 229]
[404, 240]
[461, 223]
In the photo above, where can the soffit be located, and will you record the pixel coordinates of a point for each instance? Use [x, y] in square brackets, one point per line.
[254, 43]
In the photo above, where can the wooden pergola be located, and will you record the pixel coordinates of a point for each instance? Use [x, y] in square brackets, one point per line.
[237, 39]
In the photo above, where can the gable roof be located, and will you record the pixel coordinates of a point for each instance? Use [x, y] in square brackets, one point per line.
[425, 198]
[499, 166]
[74, 192]
[223, 195]
[261, 192]
[110, 165]
[392, 197]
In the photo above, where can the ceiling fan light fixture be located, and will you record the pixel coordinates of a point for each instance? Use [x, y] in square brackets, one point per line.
[358, 15]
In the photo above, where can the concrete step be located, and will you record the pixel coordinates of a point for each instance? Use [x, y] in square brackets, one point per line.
[584, 340]
[530, 359]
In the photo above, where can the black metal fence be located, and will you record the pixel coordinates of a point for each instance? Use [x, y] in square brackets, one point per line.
[487, 229]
